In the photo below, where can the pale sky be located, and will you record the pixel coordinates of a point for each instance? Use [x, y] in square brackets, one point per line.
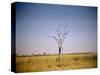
[36, 22]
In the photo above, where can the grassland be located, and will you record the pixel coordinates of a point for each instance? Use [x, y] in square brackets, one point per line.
[50, 62]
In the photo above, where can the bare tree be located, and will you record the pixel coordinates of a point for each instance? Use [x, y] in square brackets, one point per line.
[60, 36]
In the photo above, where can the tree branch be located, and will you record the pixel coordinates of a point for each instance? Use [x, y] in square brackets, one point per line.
[61, 34]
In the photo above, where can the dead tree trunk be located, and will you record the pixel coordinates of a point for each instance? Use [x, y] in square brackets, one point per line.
[59, 53]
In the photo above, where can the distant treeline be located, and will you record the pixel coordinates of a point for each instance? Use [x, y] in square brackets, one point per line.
[45, 54]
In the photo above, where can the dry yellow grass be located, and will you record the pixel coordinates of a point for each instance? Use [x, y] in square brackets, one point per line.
[50, 62]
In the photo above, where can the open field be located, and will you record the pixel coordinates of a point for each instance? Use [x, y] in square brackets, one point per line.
[50, 62]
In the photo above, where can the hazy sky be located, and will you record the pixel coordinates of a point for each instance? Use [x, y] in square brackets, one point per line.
[36, 22]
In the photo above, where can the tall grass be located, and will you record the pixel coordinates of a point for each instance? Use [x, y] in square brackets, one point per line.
[50, 62]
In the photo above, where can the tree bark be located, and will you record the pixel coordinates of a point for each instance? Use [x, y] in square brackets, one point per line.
[59, 53]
